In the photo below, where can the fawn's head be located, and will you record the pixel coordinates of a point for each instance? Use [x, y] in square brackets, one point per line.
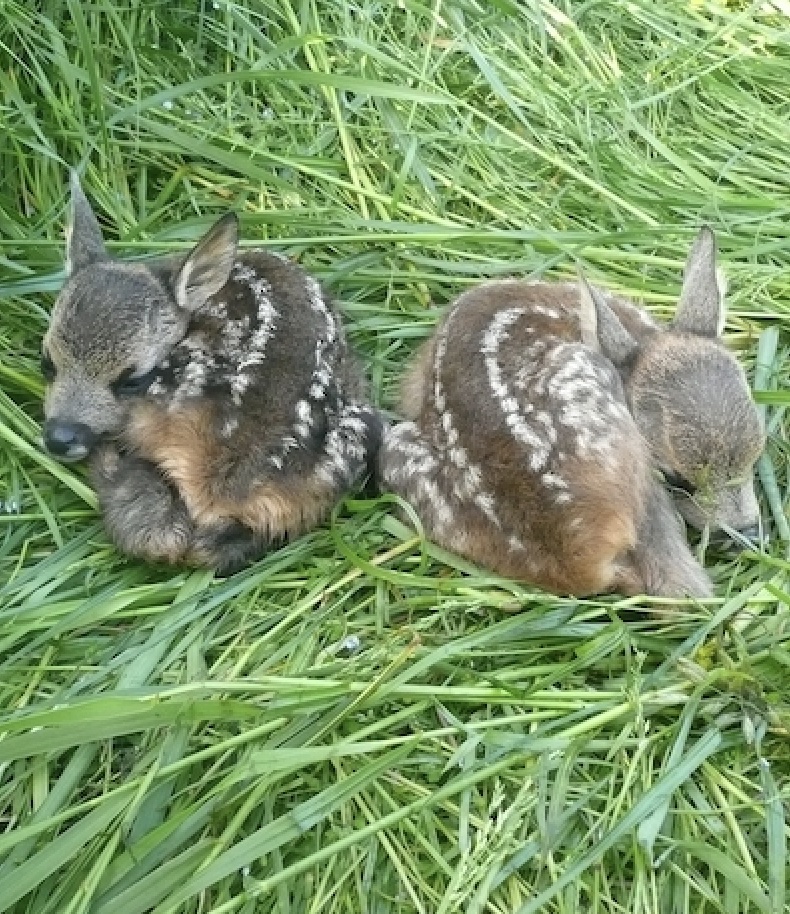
[689, 397]
[114, 322]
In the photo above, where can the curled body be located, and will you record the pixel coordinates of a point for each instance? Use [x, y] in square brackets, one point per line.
[541, 418]
[212, 394]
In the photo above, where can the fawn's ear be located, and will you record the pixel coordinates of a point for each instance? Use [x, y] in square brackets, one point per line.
[701, 306]
[84, 242]
[601, 328]
[207, 268]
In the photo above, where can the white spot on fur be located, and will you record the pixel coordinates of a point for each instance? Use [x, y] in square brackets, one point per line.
[344, 454]
[229, 426]
[458, 457]
[238, 387]
[233, 357]
[201, 366]
[252, 352]
[467, 485]
[304, 412]
[545, 311]
[215, 307]
[318, 304]
[406, 440]
[585, 395]
[415, 475]
[327, 343]
[441, 512]
[242, 273]
[618, 410]
[487, 505]
[355, 423]
[537, 443]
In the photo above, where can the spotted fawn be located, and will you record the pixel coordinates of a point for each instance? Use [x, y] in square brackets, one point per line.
[553, 430]
[212, 394]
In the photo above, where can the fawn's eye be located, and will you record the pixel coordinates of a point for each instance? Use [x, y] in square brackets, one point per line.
[47, 366]
[674, 481]
[132, 385]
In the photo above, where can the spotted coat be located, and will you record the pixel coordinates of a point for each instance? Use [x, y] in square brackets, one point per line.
[213, 395]
[520, 451]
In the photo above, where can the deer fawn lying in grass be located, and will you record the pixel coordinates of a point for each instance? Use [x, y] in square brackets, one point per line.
[539, 415]
[212, 394]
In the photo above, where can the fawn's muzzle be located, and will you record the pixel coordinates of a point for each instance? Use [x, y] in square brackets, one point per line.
[68, 441]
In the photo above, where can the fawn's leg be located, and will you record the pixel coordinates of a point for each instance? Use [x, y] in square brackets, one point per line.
[142, 513]
[662, 564]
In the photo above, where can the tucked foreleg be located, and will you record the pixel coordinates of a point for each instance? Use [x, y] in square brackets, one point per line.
[142, 513]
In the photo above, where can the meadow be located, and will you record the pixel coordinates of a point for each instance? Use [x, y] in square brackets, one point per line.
[361, 723]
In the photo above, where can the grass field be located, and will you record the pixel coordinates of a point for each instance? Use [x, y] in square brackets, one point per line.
[361, 723]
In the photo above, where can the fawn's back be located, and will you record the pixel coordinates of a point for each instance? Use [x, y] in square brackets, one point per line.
[522, 453]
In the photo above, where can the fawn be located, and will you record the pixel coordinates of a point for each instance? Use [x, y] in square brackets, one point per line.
[213, 395]
[541, 415]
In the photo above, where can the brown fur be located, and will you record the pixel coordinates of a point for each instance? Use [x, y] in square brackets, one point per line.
[182, 445]
[576, 547]
[213, 394]
[539, 414]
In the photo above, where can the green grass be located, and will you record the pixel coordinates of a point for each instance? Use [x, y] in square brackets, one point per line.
[360, 722]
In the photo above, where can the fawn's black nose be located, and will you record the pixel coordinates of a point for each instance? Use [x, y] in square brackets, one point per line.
[68, 440]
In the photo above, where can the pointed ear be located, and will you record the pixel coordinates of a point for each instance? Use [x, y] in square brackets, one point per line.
[208, 266]
[601, 328]
[84, 242]
[701, 306]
